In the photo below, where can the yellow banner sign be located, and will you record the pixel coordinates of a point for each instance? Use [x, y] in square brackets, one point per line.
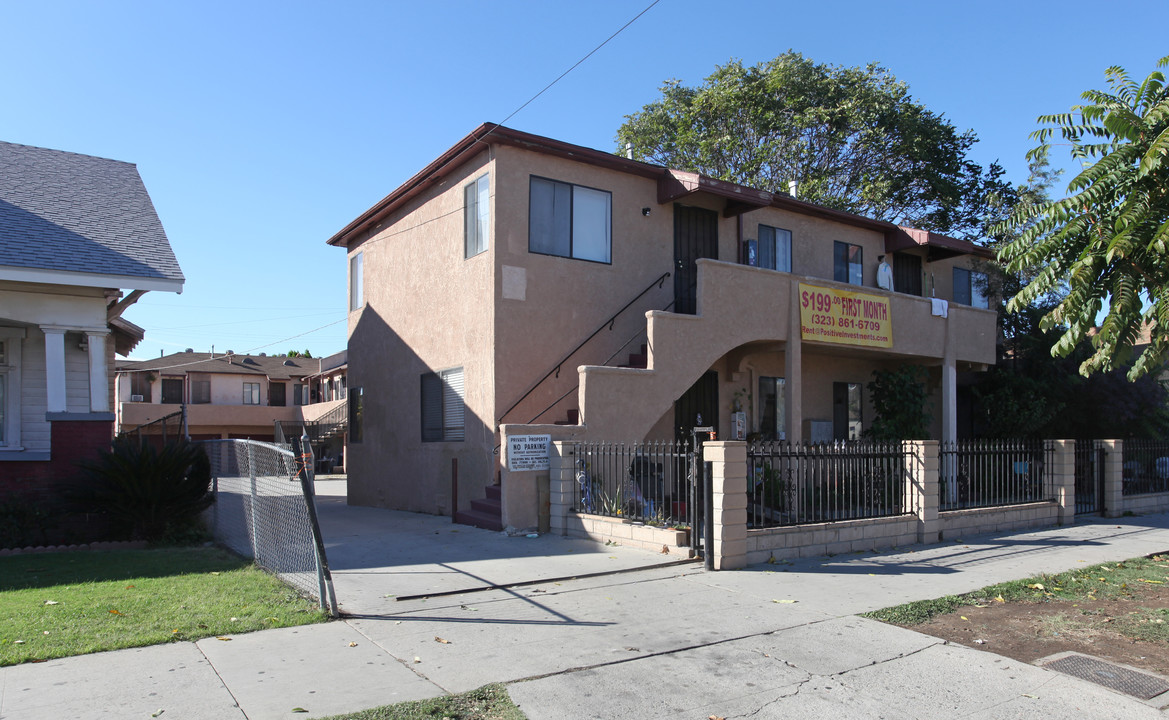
[848, 318]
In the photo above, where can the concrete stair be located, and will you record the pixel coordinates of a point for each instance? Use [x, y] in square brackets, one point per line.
[486, 513]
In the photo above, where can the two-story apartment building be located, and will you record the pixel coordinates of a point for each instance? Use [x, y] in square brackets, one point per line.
[519, 284]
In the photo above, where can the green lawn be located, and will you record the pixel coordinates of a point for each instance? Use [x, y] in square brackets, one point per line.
[490, 702]
[62, 604]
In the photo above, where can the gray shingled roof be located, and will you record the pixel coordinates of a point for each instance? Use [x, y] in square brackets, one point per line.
[64, 211]
[275, 367]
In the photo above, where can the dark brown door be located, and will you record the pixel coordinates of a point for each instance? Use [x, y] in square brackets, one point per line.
[695, 236]
[698, 407]
[907, 274]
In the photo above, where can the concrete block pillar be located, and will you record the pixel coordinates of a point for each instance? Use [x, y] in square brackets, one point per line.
[1113, 478]
[922, 487]
[561, 477]
[729, 482]
[1063, 478]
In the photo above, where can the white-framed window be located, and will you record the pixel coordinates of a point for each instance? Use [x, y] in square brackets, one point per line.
[569, 220]
[356, 282]
[442, 406]
[477, 215]
[774, 251]
[10, 388]
[970, 288]
[847, 266]
[251, 393]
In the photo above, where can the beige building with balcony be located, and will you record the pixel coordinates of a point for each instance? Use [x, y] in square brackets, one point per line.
[521, 285]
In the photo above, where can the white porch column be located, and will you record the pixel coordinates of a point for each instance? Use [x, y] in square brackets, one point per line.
[99, 379]
[54, 368]
[793, 363]
[949, 389]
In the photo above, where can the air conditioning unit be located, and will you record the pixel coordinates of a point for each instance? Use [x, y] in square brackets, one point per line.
[135, 398]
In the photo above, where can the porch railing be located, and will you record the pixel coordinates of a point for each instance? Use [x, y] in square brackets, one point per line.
[1145, 467]
[986, 473]
[790, 484]
[647, 482]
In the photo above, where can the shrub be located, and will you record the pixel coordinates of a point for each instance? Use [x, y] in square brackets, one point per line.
[146, 492]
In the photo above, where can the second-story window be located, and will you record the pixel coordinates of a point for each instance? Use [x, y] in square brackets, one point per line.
[277, 394]
[570, 221]
[251, 393]
[846, 263]
[970, 288]
[356, 282]
[775, 248]
[476, 215]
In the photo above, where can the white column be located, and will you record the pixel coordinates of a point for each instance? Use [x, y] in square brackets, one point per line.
[55, 368]
[793, 362]
[949, 389]
[99, 379]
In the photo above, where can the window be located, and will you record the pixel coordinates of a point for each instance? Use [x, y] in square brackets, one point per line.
[140, 386]
[356, 285]
[846, 265]
[299, 394]
[251, 393]
[356, 412]
[342, 381]
[775, 249]
[569, 220]
[200, 392]
[10, 388]
[970, 288]
[442, 406]
[771, 408]
[277, 394]
[846, 411]
[476, 215]
[172, 390]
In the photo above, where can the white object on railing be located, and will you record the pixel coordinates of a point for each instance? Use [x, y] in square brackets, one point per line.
[939, 307]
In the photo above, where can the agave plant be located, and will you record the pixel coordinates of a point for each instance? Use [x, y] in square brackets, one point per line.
[148, 492]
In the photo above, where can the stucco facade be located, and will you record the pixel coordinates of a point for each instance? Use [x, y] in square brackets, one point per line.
[513, 312]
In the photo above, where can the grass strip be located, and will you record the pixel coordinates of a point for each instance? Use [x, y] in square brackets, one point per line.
[63, 604]
[1097, 582]
[490, 702]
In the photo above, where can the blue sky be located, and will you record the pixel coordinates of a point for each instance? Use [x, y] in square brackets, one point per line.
[261, 128]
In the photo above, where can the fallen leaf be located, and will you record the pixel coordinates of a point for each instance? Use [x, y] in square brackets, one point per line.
[715, 717]
[17, 642]
[129, 587]
[352, 644]
[964, 617]
[115, 612]
[298, 709]
[1033, 697]
[52, 602]
[785, 601]
[437, 639]
[235, 619]
[417, 659]
[1154, 582]
[1036, 586]
[224, 639]
[999, 599]
[216, 573]
[157, 713]
[201, 626]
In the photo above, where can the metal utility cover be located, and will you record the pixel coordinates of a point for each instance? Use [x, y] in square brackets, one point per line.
[1129, 682]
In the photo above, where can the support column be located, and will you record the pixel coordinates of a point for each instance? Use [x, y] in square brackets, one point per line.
[1063, 478]
[923, 487]
[561, 476]
[99, 378]
[729, 482]
[949, 394]
[1113, 478]
[793, 363]
[54, 369]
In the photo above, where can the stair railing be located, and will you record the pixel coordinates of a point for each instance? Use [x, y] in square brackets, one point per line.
[555, 371]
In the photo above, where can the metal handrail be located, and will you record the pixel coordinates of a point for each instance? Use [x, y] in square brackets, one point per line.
[556, 369]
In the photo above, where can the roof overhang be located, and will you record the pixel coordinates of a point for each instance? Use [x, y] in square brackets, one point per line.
[126, 335]
[677, 184]
[84, 279]
[936, 245]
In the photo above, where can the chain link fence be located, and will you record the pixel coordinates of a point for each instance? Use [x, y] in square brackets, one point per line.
[264, 510]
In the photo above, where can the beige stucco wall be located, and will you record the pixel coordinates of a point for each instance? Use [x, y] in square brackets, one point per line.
[427, 308]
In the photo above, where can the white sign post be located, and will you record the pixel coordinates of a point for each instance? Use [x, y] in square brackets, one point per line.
[528, 452]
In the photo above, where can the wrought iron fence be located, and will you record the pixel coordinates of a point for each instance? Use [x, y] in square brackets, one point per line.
[1145, 467]
[789, 484]
[1089, 476]
[988, 473]
[263, 511]
[647, 482]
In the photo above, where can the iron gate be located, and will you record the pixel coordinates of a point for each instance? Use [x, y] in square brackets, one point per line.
[1089, 477]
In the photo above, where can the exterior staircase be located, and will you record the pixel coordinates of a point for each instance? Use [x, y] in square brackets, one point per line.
[486, 513]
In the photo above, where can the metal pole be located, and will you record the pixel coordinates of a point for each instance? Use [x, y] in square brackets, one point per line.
[703, 495]
[454, 488]
[252, 504]
[328, 598]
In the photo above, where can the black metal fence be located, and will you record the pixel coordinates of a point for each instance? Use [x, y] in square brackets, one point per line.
[647, 482]
[795, 484]
[1145, 467]
[160, 431]
[1089, 476]
[987, 473]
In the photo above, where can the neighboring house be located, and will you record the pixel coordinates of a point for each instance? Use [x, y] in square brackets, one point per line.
[476, 287]
[75, 232]
[237, 396]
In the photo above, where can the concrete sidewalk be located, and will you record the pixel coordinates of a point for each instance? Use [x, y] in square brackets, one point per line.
[661, 642]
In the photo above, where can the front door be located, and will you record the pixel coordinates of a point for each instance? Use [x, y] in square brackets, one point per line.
[700, 401]
[695, 236]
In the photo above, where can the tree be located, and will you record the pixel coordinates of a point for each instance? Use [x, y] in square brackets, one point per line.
[899, 397]
[298, 354]
[1108, 240]
[852, 138]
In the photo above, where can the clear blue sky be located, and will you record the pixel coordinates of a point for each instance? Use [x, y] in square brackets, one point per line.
[261, 128]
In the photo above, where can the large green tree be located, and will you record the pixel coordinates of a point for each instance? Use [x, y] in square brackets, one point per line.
[1108, 240]
[852, 138]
